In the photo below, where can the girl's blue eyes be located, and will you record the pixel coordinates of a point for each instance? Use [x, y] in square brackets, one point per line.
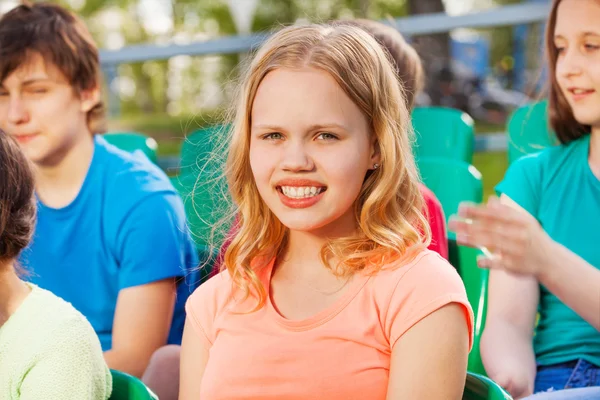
[273, 136]
[326, 136]
[320, 136]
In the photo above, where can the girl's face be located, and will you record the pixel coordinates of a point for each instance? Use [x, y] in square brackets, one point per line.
[310, 150]
[577, 40]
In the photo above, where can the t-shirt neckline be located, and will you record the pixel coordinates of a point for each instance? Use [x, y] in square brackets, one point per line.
[86, 182]
[321, 317]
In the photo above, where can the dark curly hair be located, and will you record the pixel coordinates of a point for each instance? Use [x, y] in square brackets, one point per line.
[17, 203]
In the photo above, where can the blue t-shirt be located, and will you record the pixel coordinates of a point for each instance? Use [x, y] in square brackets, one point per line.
[125, 228]
[558, 188]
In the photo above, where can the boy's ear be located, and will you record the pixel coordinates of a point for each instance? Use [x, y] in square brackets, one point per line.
[89, 99]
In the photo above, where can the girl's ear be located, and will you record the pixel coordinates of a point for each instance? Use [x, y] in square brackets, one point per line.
[375, 152]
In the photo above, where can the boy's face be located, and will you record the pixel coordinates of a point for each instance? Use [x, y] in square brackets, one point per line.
[40, 109]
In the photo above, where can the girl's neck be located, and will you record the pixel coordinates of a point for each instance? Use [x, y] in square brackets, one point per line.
[303, 249]
[594, 156]
[13, 292]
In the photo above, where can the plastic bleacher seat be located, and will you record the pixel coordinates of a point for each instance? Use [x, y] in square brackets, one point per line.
[201, 190]
[127, 387]
[478, 387]
[453, 182]
[130, 141]
[443, 132]
[199, 182]
[528, 130]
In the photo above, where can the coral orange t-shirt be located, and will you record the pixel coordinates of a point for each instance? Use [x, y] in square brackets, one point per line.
[342, 352]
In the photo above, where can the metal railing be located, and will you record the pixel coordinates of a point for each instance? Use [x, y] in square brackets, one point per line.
[410, 26]
[509, 15]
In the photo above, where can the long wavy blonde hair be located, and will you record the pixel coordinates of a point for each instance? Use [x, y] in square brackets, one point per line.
[389, 207]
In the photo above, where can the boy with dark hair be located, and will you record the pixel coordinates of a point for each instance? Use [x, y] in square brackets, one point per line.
[111, 236]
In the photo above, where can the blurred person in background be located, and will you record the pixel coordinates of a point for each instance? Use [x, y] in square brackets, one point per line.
[111, 236]
[543, 231]
[48, 350]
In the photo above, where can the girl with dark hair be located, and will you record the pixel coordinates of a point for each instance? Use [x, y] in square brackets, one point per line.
[48, 350]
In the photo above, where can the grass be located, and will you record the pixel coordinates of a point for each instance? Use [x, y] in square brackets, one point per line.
[492, 167]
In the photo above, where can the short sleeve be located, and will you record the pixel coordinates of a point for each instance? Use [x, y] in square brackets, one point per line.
[203, 306]
[153, 242]
[522, 183]
[71, 367]
[430, 284]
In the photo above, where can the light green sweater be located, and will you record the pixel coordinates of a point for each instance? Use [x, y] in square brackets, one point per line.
[49, 351]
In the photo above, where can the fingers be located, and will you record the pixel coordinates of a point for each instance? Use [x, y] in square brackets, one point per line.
[493, 212]
[494, 237]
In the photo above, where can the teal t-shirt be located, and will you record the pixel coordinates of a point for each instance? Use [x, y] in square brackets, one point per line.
[558, 187]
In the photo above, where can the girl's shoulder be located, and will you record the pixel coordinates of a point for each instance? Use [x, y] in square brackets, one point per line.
[421, 268]
[406, 291]
[49, 329]
[51, 316]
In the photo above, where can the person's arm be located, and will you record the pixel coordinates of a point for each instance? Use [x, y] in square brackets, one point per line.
[569, 277]
[574, 281]
[430, 360]
[507, 340]
[194, 357]
[141, 325]
[520, 246]
[152, 243]
[71, 367]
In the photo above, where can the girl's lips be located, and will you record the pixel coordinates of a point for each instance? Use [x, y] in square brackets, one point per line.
[25, 138]
[300, 203]
[578, 94]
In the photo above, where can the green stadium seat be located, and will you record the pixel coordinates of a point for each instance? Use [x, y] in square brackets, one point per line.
[453, 182]
[528, 130]
[443, 132]
[478, 387]
[129, 141]
[197, 149]
[127, 387]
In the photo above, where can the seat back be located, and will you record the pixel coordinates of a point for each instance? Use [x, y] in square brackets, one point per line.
[528, 130]
[454, 182]
[197, 149]
[127, 387]
[478, 387]
[443, 132]
[130, 142]
[199, 183]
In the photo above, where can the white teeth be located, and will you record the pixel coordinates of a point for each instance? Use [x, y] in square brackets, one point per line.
[300, 192]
